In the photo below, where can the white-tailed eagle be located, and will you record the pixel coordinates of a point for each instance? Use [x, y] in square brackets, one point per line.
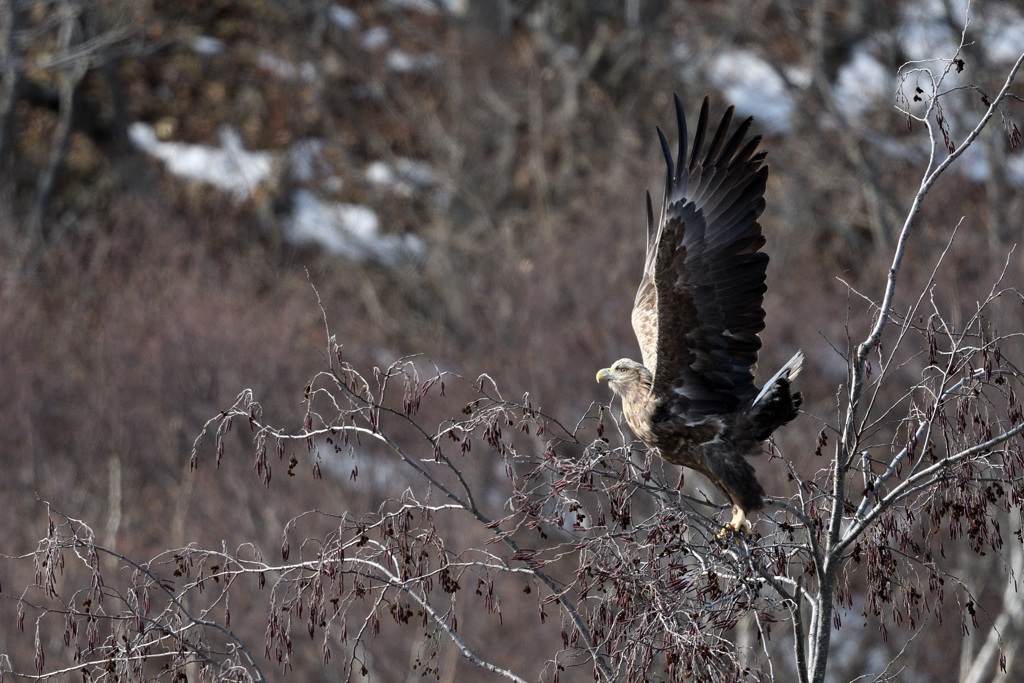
[697, 316]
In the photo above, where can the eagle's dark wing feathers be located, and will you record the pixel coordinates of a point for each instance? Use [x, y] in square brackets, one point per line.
[698, 311]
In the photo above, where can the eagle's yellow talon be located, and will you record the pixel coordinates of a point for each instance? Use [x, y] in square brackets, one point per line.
[739, 526]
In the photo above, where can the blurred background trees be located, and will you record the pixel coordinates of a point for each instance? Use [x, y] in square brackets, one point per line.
[462, 181]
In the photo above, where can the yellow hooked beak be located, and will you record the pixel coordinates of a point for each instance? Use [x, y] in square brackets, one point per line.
[605, 373]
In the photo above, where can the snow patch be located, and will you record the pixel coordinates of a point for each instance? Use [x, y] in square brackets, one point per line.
[305, 160]
[756, 88]
[925, 33]
[349, 230]
[207, 45]
[343, 17]
[286, 70]
[862, 84]
[375, 38]
[455, 7]
[406, 177]
[402, 62]
[229, 167]
[1004, 35]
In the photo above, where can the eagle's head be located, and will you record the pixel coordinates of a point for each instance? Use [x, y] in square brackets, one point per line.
[633, 383]
[627, 378]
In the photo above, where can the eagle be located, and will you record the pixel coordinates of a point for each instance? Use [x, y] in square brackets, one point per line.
[698, 314]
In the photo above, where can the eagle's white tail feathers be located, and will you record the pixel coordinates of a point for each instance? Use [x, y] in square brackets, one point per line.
[790, 370]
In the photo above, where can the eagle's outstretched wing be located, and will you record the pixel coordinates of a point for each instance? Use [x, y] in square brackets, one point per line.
[698, 311]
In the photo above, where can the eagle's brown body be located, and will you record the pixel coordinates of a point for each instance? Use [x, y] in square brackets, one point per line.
[718, 446]
[697, 316]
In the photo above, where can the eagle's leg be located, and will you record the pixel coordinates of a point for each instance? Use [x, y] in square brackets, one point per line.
[739, 524]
